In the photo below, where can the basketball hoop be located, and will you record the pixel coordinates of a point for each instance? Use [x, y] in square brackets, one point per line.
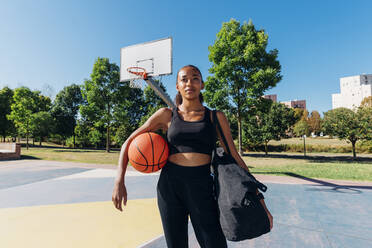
[138, 71]
[147, 62]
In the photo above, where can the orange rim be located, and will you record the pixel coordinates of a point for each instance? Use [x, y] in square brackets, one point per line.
[141, 73]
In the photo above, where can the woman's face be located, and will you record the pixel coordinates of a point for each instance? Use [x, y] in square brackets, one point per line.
[189, 83]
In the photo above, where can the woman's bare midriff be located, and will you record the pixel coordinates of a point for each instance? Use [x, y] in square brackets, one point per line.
[190, 158]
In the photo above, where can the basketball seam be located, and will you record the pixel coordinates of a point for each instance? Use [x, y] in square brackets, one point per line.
[144, 164]
[147, 163]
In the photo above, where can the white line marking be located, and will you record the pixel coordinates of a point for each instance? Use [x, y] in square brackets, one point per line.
[150, 241]
[104, 173]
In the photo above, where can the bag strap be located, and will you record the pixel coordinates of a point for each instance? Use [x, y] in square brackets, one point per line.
[217, 123]
[260, 185]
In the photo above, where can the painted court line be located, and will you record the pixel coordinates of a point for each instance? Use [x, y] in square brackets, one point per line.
[151, 241]
[103, 173]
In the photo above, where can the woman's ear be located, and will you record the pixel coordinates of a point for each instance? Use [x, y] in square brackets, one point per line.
[202, 85]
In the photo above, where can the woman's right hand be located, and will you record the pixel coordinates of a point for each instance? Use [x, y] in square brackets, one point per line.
[119, 194]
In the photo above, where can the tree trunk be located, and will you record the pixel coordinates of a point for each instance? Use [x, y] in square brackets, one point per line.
[73, 133]
[108, 130]
[108, 139]
[353, 144]
[40, 141]
[27, 141]
[266, 148]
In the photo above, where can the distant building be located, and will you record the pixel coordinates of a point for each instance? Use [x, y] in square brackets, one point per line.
[295, 104]
[353, 90]
[271, 97]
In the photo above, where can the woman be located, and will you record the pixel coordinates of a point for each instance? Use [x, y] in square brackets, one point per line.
[185, 187]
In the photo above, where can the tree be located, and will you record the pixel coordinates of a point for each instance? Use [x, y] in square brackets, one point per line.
[82, 130]
[94, 137]
[128, 114]
[103, 92]
[270, 123]
[242, 70]
[305, 115]
[152, 102]
[26, 103]
[314, 122]
[65, 110]
[41, 125]
[343, 123]
[299, 113]
[6, 100]
[365, 117]
[135, 110]
[63, 123]
[42, 103]
[301, 128]
[367, 102]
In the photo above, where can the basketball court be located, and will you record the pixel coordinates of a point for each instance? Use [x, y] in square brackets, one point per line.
[59, 204]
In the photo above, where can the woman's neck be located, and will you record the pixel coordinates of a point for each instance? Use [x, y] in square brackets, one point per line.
[189, 106]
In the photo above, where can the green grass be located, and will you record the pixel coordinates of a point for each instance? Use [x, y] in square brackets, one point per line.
[318, 144]
[316, 165]
[71, 155]
[311, 141]
[351, 171]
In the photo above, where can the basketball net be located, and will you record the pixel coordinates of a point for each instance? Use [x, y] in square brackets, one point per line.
[139, 74]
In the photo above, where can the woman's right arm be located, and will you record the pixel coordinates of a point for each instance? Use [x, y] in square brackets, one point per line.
[157, 121]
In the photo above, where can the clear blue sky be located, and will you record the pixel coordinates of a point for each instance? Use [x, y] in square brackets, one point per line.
[56, 42]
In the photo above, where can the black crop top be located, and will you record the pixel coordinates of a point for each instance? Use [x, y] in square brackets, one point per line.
[190, 136]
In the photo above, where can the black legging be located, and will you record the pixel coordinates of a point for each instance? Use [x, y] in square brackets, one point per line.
[184, 191]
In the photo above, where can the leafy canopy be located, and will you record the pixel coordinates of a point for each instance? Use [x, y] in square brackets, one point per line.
[241, 69]
[6, 100]
[270, 123]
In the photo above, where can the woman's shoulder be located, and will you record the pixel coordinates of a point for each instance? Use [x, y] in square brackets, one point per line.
[165, 114]
[219, 113]
[165, 110]
[160, 119]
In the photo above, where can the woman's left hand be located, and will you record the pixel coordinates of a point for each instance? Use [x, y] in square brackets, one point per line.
[270, 218]
[268, 213]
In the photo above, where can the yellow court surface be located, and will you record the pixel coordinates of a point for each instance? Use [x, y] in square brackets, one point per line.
[94, 224]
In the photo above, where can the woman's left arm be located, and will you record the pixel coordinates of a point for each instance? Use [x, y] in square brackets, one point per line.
[224, 123]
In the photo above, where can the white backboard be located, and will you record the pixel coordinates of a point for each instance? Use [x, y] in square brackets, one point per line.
[154, 56]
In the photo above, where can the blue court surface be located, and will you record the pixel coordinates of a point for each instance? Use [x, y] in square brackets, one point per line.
[57, 204]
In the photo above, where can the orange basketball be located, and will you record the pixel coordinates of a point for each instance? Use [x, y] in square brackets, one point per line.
[148, 152]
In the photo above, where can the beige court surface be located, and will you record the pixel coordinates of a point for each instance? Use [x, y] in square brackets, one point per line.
[93, 225]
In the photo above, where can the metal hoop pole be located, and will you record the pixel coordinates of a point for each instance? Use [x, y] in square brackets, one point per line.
[166, 98]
